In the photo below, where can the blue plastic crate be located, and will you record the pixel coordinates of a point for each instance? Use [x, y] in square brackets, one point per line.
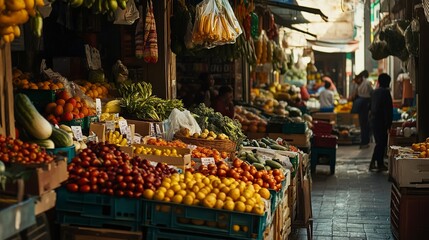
[40, 98]
[68, 152]
[295, 128]
[203, 220]
[73, 219]
[99, 206]
[16, 218]
[162, 233]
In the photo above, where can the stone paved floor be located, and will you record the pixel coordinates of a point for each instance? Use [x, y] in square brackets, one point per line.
[352, 204]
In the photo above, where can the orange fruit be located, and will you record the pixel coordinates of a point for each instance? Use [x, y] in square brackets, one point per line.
[58, 110]
[78, 105]
[85, 111]
[77, 98]
[50, 108]
[60, 85]
[50, 118]
[99, 90]
[40, 84]
[60, 102]
[81, 115]
[54, 87]
[34, 87]
[72, 101]
[75, 110]
[63, 95]
[45, 87]
[68, 107]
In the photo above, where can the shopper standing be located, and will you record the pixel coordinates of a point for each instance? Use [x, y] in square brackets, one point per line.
[361, 105]
[326, 97]
[381, 120]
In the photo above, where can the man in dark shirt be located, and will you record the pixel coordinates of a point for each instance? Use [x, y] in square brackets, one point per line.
[381, 120]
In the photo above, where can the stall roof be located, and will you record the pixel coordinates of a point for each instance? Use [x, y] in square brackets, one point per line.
[330, 47]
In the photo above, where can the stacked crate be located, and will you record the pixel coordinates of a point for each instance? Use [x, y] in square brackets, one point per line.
[324, 144]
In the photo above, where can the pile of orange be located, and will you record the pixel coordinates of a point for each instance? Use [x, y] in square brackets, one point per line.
[21, 81]
[67, 108]
[95, 90]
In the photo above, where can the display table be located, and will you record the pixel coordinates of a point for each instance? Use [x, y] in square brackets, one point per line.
[409, 211]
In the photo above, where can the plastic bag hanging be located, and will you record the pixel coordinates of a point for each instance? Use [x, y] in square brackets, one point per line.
[139, 37]
[150, 52]
[215, 24]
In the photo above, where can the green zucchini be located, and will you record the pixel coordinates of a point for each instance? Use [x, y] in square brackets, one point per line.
[278, 147]
[251, 158]
[267, 167]
[262, 144]
[46, 143]
[273, 164]
[254, 143]
[258, 166]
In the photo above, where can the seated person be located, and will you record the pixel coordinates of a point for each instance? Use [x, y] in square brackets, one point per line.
[326, 97]
[223, 102]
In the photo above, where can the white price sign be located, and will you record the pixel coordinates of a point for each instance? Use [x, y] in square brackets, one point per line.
[152, 130]
[137, 139]
[98, 106]
[123, 126]
[110, 125]
[77, 132]
[206, 161]
[158, 129]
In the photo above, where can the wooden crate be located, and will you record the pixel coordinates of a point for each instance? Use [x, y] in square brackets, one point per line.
[7, 119]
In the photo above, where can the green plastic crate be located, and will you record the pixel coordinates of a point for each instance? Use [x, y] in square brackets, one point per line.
[74, 219]
[202, 220]
[295, 128]
[40, 98]
[87, 122]
[162, 233]
[277, 197]
[68, 152]
[99, 206]
[75, 122]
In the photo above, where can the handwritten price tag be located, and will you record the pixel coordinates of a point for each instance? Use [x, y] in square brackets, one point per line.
[158, 129]
[123, 126]
[110, 125]
[98, 106]
[77, 132]
[207, 161]
[137, 139]
[152, 130]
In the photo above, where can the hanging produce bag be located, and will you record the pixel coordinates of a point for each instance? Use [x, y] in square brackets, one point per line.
[215, 24]
[150, 52]
[139, 37]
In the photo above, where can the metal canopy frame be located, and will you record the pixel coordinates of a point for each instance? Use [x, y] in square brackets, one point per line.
[293, 7]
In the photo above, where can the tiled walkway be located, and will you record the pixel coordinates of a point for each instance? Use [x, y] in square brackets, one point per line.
[352, 204]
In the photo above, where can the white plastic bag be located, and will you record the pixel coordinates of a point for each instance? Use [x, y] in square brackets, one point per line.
[128, 15]
[181, 119]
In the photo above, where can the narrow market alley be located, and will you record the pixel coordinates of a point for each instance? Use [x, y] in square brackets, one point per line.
[352, 204]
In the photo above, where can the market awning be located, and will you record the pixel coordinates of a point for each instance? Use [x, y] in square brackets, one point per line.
[334, 47]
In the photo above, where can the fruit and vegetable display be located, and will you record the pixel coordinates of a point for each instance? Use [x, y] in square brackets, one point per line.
[17, 151]
[100, 6]
[269, 143]
[243, 171]
[105, 169]
[250, 122]
[110, 109]
[211, 192]
[15, 13]
[21, 81]
[259, 162]
[208, 119]
[34, 127]
[146, 150]
[95, 90]
[206, 134]
[421, 148]
[67, 108]
[139, 103]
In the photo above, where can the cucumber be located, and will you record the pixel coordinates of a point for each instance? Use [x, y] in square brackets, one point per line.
[266, 141]
[260, 159]
[278, 147]
[254, 143]
[273, 164]
[262, 144]
[267, 167]
[251, 158]
[258, 166]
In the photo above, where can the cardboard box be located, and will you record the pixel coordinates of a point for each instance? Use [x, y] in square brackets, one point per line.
[180, 162]
[45, 202]
[100, 130]
[411, 172]
[298, 140]
[145, 128]
[325, 116]
[401, 141]
[257, 135]
[85, 233]
[43, 179]
[348, 119]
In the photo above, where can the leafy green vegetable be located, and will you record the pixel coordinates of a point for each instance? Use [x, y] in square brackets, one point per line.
[207, 118]
[137, 101]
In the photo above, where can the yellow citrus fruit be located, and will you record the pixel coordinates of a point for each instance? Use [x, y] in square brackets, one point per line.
[159, 195]
[188, 200]
[177, 198]
[219, 204]
[240, 206]
[162, 189]
[169, 193]
[245, 228]
[196, 201]
[195, 188]
[258, 209]
[209, 201]
[166, 199]
[248, 208]
[229, 205]
[148, 193]
[192, 194]
[225, 189]
[221, 196]
[182, 185]
[206, 181]
[215, 190]
[247, 194]
[264, 193]
[236, 228]
[182, 192]
[200, 196]
[176, 188]
[241, 198]
[198, 175]
[234, 194]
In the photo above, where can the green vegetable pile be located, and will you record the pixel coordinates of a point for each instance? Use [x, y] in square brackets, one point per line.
[138, 102]
[207, 118]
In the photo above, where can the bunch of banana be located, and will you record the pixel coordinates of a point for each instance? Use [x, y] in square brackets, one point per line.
[14, 13]
[100, 6]
[113, 106]
[115, 137]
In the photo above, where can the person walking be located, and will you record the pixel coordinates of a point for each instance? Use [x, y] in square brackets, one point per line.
[381, 120]
[361, 104]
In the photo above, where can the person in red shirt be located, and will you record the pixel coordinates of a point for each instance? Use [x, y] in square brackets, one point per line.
[223, 102]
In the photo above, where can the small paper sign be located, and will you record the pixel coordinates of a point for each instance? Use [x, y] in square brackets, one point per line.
[152, 130]
[158, 129]
[77, 132]
[137, 139]
[153, 163]
[128, 134]
[110, 125]
[123, 126]
[206, 161]
[92, 138]
[98, 106]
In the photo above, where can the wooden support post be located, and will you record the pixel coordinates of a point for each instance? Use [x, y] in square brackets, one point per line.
[7, 118]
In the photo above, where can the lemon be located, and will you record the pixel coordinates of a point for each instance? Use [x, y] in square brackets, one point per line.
[245, 228]
[200, 184]
[181, 192]
[258, 209]
[165, 184]
[234, 194]
[188, 200]
[198, 175]
[240, 206]
[148, 193]
[162, 189]
[167, 180]
[219, 204]
[190, 184]
[209, 201]
[250, 202]
[215, 190]
[247, 194]
[225, 189]
[159, 195]
[221, 196]
[196, 201]
[216, 183]
[177, 198]
[235, 228]
[248, 208]
[176, 187]
[226, 181]
[200, 196]
[158, 152]
[169, 193]
[190, 193]
[264, 193]
[228, 199]
[195, 188]
[242, 199]
[206, 181]
[204, 190]
[229, 205]
[182, 185]
[166, 199]
[221, 186]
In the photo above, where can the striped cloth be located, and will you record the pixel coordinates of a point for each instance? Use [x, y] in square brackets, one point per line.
[150, 52]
